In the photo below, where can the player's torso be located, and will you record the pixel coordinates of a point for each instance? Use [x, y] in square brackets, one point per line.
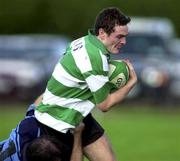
[68, 97]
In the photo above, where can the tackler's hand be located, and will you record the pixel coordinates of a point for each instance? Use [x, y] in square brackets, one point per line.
[79, 129]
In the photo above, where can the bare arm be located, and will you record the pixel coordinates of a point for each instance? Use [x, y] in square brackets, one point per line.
[38, 100]
[77, 154]
[121, 93]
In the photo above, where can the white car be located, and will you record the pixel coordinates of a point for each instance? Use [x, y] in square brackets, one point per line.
[27, 62]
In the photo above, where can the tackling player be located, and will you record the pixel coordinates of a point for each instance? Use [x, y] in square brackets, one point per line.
[28, 142]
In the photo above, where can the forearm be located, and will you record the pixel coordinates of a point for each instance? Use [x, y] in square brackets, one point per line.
[115, 97]
[77, 154]
[121, 93]
[38, 100]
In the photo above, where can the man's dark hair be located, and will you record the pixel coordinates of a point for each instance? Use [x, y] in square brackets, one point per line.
[44, 148]
[108, 18]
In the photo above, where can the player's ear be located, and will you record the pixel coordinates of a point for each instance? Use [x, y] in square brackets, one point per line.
[102, 34]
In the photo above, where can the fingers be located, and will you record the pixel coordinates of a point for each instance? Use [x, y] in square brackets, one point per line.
[130, 66]
[132, 73]
[79, 128]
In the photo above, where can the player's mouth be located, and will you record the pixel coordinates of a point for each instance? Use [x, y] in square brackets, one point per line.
[118, 46]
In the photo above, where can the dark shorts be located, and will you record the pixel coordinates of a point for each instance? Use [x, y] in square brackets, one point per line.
[91, 133]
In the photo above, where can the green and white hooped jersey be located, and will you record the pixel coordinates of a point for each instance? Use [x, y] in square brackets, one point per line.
[78, 83]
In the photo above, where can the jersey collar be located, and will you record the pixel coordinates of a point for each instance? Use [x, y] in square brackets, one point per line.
[95, 41]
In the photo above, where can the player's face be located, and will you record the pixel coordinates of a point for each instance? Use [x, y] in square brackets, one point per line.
[116, 39]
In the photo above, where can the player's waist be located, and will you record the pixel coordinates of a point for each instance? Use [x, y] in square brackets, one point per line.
[54, 123]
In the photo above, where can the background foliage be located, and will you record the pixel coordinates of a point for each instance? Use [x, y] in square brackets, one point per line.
[73, 18]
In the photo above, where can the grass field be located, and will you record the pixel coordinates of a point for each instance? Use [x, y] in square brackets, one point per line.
[137, 134]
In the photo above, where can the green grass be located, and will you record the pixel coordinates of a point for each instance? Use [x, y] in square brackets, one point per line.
[137, 134]
[10, 115]
[144, 135]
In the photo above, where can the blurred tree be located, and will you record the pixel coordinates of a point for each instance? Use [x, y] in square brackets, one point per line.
[16, 15]
[73, 18]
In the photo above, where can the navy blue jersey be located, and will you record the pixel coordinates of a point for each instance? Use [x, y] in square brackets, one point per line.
[13, 149]
[26, 131]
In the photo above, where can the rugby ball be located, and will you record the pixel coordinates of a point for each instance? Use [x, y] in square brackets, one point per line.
[118, 73]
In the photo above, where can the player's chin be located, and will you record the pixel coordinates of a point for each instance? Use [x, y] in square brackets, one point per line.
[116, 51]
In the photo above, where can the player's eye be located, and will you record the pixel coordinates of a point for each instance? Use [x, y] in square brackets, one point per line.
[120, 36]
